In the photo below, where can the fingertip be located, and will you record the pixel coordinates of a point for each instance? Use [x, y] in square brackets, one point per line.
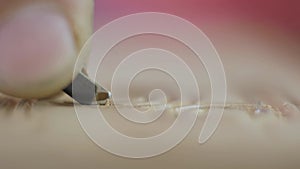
[37, 52]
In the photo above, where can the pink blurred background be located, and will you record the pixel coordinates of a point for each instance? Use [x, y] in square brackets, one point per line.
[269, 13]
[256, 39]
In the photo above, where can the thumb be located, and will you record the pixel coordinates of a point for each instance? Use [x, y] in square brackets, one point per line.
[39, 44]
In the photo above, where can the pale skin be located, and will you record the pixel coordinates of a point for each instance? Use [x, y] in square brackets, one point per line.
[50, 135]
[40, 41]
